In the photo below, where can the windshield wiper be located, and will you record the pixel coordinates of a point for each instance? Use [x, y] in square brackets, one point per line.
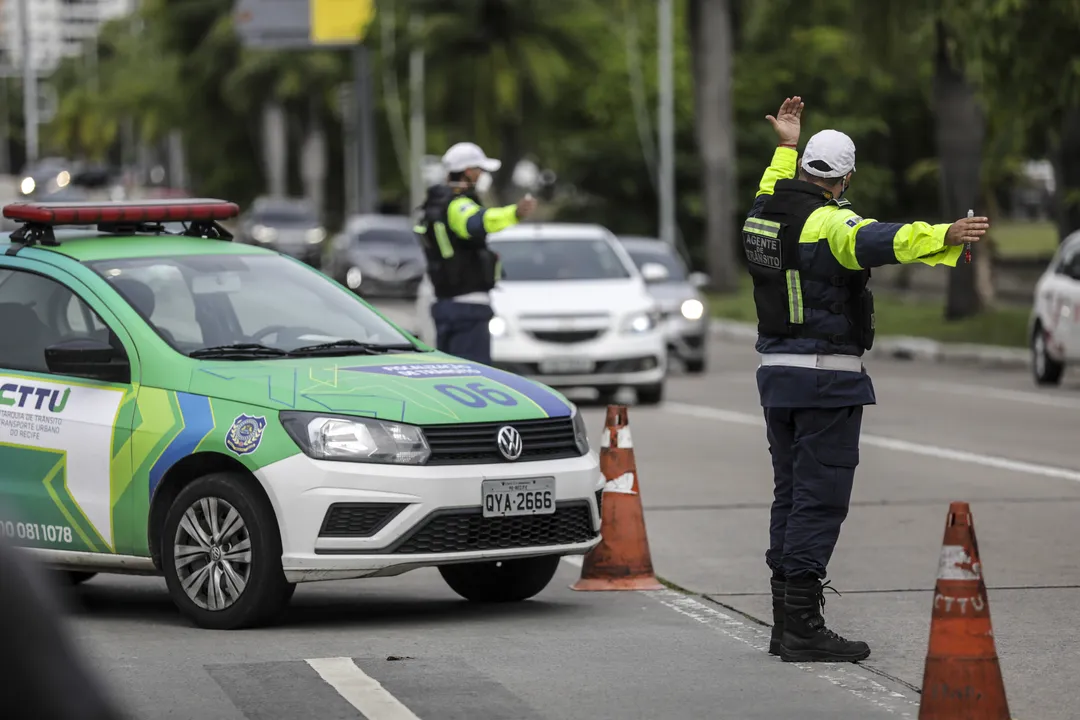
[237, 350]
[351, 347]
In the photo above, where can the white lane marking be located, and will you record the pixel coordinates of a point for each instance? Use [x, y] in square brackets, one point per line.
[1000, 463]
[1068, 403]
[851, 680]
[361, 691]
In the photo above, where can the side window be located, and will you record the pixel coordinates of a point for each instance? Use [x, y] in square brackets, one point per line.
[36, 312]
[160, 294]
[1071, 264]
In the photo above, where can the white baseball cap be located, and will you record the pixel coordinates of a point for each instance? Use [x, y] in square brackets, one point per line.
[465, 155]
[829, 154]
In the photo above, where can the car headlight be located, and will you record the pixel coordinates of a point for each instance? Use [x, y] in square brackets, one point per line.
[356, 439]
[353, 277]
[641, 322]
[264, 234]
[497, 327]
[581, 433]
[315, 236]
[27, 185]
[692, 309]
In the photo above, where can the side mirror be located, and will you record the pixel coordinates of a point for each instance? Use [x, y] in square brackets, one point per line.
[86, 357]
[654, 272]
[699, 280]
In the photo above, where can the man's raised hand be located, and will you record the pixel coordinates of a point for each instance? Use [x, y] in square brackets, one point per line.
[788, 120]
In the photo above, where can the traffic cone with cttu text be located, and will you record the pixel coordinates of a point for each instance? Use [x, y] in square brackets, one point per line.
[962, 679]
[621, 561]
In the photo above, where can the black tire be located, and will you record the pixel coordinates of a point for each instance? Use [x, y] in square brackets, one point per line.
[72, 577]
[606, 395]
[650, 394]
[75, 577]
[1046, 370]
[266, 592]
[501, 581]
[695, 367]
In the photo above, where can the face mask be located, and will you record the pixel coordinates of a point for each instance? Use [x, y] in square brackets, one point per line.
[483, 183]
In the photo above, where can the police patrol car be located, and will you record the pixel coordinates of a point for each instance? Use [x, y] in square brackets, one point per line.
[175, 403]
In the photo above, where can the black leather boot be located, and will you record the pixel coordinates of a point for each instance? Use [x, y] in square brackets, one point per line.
[778, 588]
[805, 638]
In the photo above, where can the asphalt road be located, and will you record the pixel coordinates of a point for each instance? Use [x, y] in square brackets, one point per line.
[938, 434]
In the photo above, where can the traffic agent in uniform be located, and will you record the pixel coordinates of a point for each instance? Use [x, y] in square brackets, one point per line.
[810, 256]
[453, 228]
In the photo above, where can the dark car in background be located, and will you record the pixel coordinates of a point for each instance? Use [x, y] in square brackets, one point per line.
[377, 256]
[290, 226]
[683, 309]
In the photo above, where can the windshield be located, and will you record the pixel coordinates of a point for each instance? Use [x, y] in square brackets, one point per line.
[210, 301]
[531, 260]
[284, 218]
[676, 269]
[404, 236]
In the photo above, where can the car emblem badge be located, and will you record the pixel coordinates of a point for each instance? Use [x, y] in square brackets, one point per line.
[509, 442]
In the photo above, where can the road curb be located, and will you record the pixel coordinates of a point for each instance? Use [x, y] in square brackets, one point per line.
[904, 347]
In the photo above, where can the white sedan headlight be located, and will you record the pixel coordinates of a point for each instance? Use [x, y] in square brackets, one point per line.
[27, 185]
[264, 234]
[497, 327]
[314, 236]
[692, 309]
[356, 439]
[641, 322]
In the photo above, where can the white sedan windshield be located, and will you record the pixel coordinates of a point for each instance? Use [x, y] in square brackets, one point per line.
[205, 301]
[533, 260]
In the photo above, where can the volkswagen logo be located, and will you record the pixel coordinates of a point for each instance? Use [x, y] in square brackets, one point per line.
[509, 442]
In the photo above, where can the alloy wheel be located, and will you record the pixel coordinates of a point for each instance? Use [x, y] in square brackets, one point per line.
[212, 552]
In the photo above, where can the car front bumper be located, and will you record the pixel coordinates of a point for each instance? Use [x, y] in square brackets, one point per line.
[341, 520]
[685, 338]
[612, 359]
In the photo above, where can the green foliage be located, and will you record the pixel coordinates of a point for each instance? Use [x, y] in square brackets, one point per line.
[572, 84]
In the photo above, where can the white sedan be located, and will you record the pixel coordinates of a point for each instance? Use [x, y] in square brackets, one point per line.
[1054, 327]
[571, 311]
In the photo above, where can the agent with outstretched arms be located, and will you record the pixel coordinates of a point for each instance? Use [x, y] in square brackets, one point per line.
[810, 256]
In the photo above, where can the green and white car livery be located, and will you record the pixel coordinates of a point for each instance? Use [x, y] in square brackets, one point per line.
[232, 419]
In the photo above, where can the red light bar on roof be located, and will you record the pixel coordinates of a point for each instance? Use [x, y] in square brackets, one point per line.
[155, 211]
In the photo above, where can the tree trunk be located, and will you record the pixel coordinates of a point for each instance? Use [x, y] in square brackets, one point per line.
[713, 54]
[1066, 161]
[960, 128]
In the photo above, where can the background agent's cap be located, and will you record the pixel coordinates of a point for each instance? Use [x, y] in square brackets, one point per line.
[829, 154]
[465, 155]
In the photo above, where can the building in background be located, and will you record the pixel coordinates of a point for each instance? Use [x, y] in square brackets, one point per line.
[58, 28]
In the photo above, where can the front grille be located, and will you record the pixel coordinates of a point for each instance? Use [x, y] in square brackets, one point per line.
[694, 341]
[564, 337]
[546, 439]
[358, 519]
[468, 530]
[637, 364]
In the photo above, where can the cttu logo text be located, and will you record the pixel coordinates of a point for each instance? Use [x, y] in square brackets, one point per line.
[37, 398]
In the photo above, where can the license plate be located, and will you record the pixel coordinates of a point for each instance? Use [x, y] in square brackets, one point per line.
[503, 498]
[566, 366]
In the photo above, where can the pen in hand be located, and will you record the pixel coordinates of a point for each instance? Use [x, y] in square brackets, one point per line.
[967, 245]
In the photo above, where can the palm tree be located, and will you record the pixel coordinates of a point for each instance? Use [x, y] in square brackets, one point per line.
[494, 65]
[960, 122]
[712, 43]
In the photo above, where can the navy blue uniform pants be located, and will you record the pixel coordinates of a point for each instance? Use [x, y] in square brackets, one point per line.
[814, 454]
[461, 329]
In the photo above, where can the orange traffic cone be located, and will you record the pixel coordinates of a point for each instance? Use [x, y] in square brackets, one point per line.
[621, 561]
[962, 679]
